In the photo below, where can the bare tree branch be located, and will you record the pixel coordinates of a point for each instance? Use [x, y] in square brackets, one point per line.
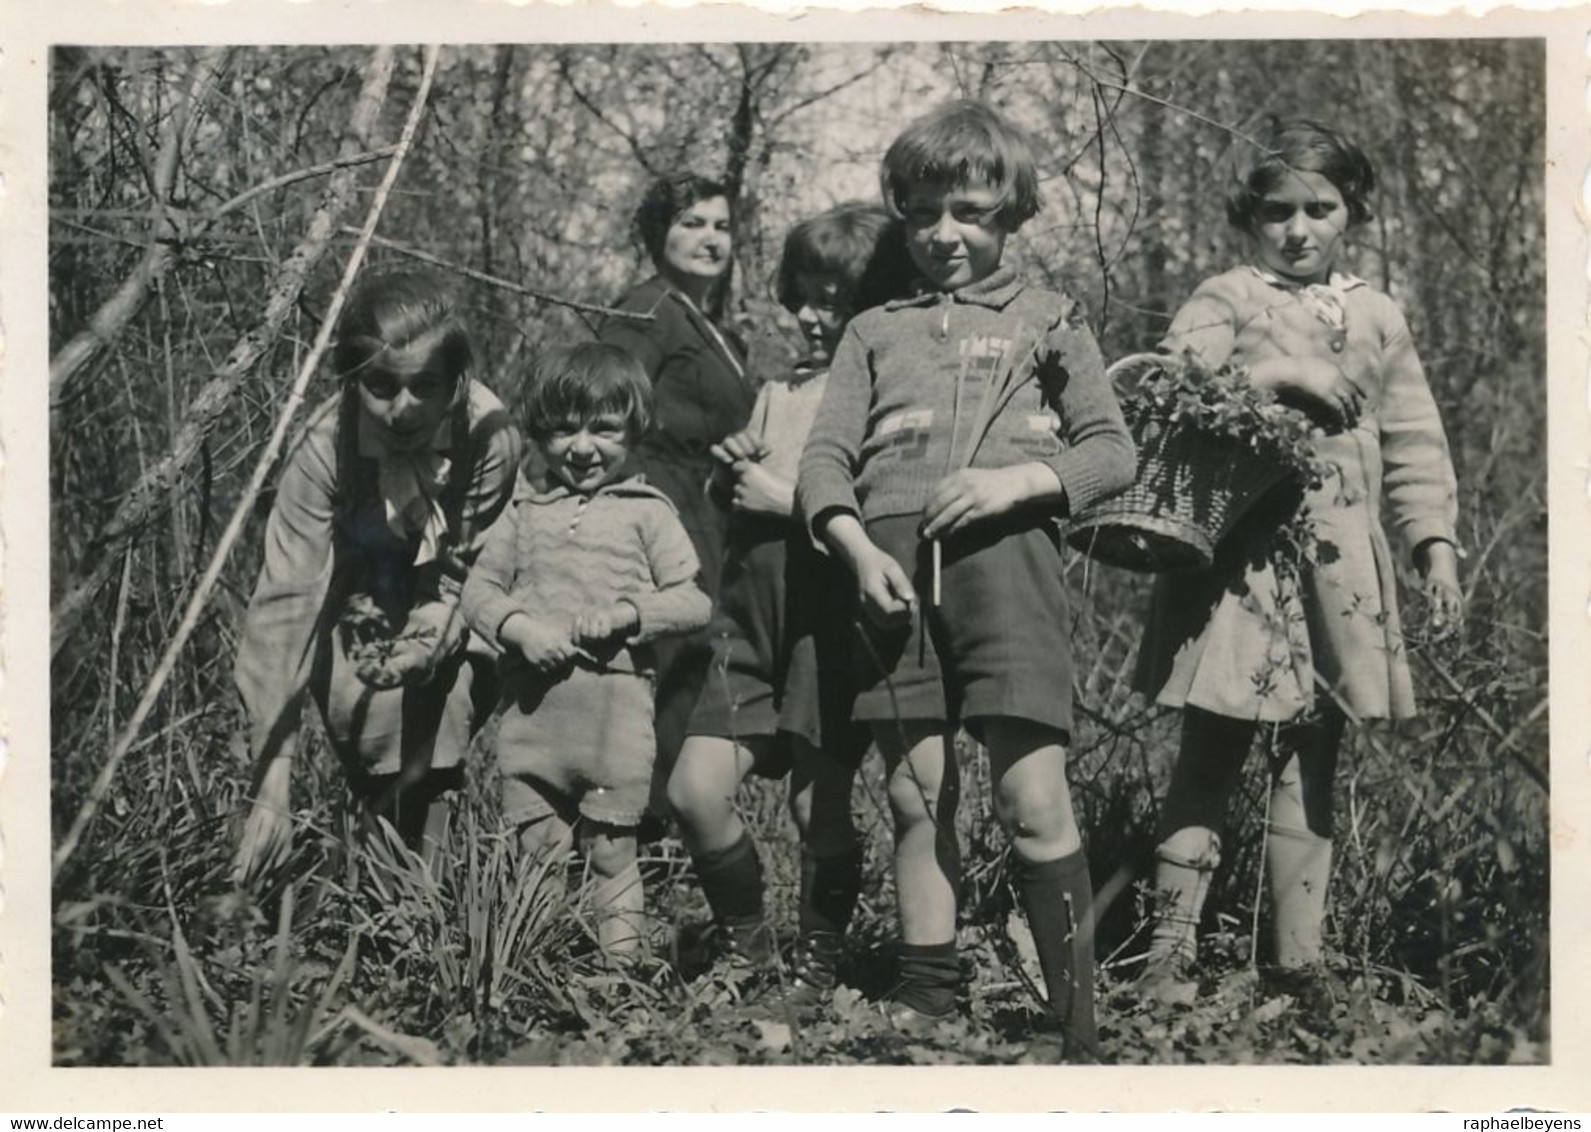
[295, 177]
[504, 284]
[201, 595]
[828, 92]
[153, 491]
[565, 73]
[1147, 97]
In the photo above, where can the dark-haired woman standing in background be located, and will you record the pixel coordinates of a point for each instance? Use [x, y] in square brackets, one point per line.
[702, 394]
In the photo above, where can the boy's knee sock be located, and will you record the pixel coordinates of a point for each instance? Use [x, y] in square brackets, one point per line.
[1058, 899]
[929, 976]
[1182, 880]
[732, 881]
[829, 889]
[1298, 864]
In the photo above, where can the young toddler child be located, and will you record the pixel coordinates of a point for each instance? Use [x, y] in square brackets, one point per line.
[576, 582]
[768, 707]
[1244, 644]
[956, 427]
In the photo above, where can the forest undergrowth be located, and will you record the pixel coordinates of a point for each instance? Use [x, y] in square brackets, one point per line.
[357, 953]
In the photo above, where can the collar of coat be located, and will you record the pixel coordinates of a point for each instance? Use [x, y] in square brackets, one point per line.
[1339, 281]
[705, 326]
[993, 291]
[631, 487]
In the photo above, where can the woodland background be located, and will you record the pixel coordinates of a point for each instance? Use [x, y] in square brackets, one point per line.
[201, 204]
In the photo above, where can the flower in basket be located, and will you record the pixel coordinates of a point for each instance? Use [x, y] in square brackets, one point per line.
[1210, 447]
[1164, 391]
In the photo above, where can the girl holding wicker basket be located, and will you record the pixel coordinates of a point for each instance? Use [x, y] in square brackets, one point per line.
[1253, 646]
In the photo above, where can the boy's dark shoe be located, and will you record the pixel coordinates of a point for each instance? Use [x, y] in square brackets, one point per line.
[910, 1020]
[752, 941]
[699, 948]
[804, 990]
[814, 973]
[926, 991]
[917, 1004]
[733, 965]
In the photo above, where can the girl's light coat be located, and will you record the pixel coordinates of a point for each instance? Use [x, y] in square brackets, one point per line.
[329, 537]
[1248, 643]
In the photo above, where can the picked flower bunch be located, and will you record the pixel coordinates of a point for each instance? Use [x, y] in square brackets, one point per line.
[1162, 391]
[386, 654]
[1210, 448]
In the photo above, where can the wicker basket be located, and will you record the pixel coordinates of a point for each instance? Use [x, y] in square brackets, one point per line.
[1191, 489]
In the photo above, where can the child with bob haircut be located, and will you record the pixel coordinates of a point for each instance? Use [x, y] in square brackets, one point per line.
[767, 708]
[576, 582]
[956, 427]
[1245, 644]
[381, 507]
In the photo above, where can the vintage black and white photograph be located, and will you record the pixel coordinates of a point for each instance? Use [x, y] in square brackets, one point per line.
[774, 553]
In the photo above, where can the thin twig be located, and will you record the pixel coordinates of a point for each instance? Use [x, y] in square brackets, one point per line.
[296, 176]
[567, 74]
[1183, 110]
[1505, 737]
[117, 624]
[504, 284]
[240, 514]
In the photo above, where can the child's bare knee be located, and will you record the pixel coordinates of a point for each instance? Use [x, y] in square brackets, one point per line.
[913, 799]
[1024, 814]
[1192, 846]
[801, 809]
[683, 790]
[696, 793]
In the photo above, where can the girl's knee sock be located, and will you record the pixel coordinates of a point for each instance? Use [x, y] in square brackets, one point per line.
[1298, 864]
[1058, 898]
[829, 889]
[1209, 766]
[732, 881]
[929, 976]
[1182, 880]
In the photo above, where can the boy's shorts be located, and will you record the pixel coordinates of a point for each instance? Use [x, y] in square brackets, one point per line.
[781, 642]
[583, 744]
[998, 643]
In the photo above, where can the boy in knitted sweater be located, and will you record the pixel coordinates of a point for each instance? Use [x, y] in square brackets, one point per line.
[956, 427]
[575, 582]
